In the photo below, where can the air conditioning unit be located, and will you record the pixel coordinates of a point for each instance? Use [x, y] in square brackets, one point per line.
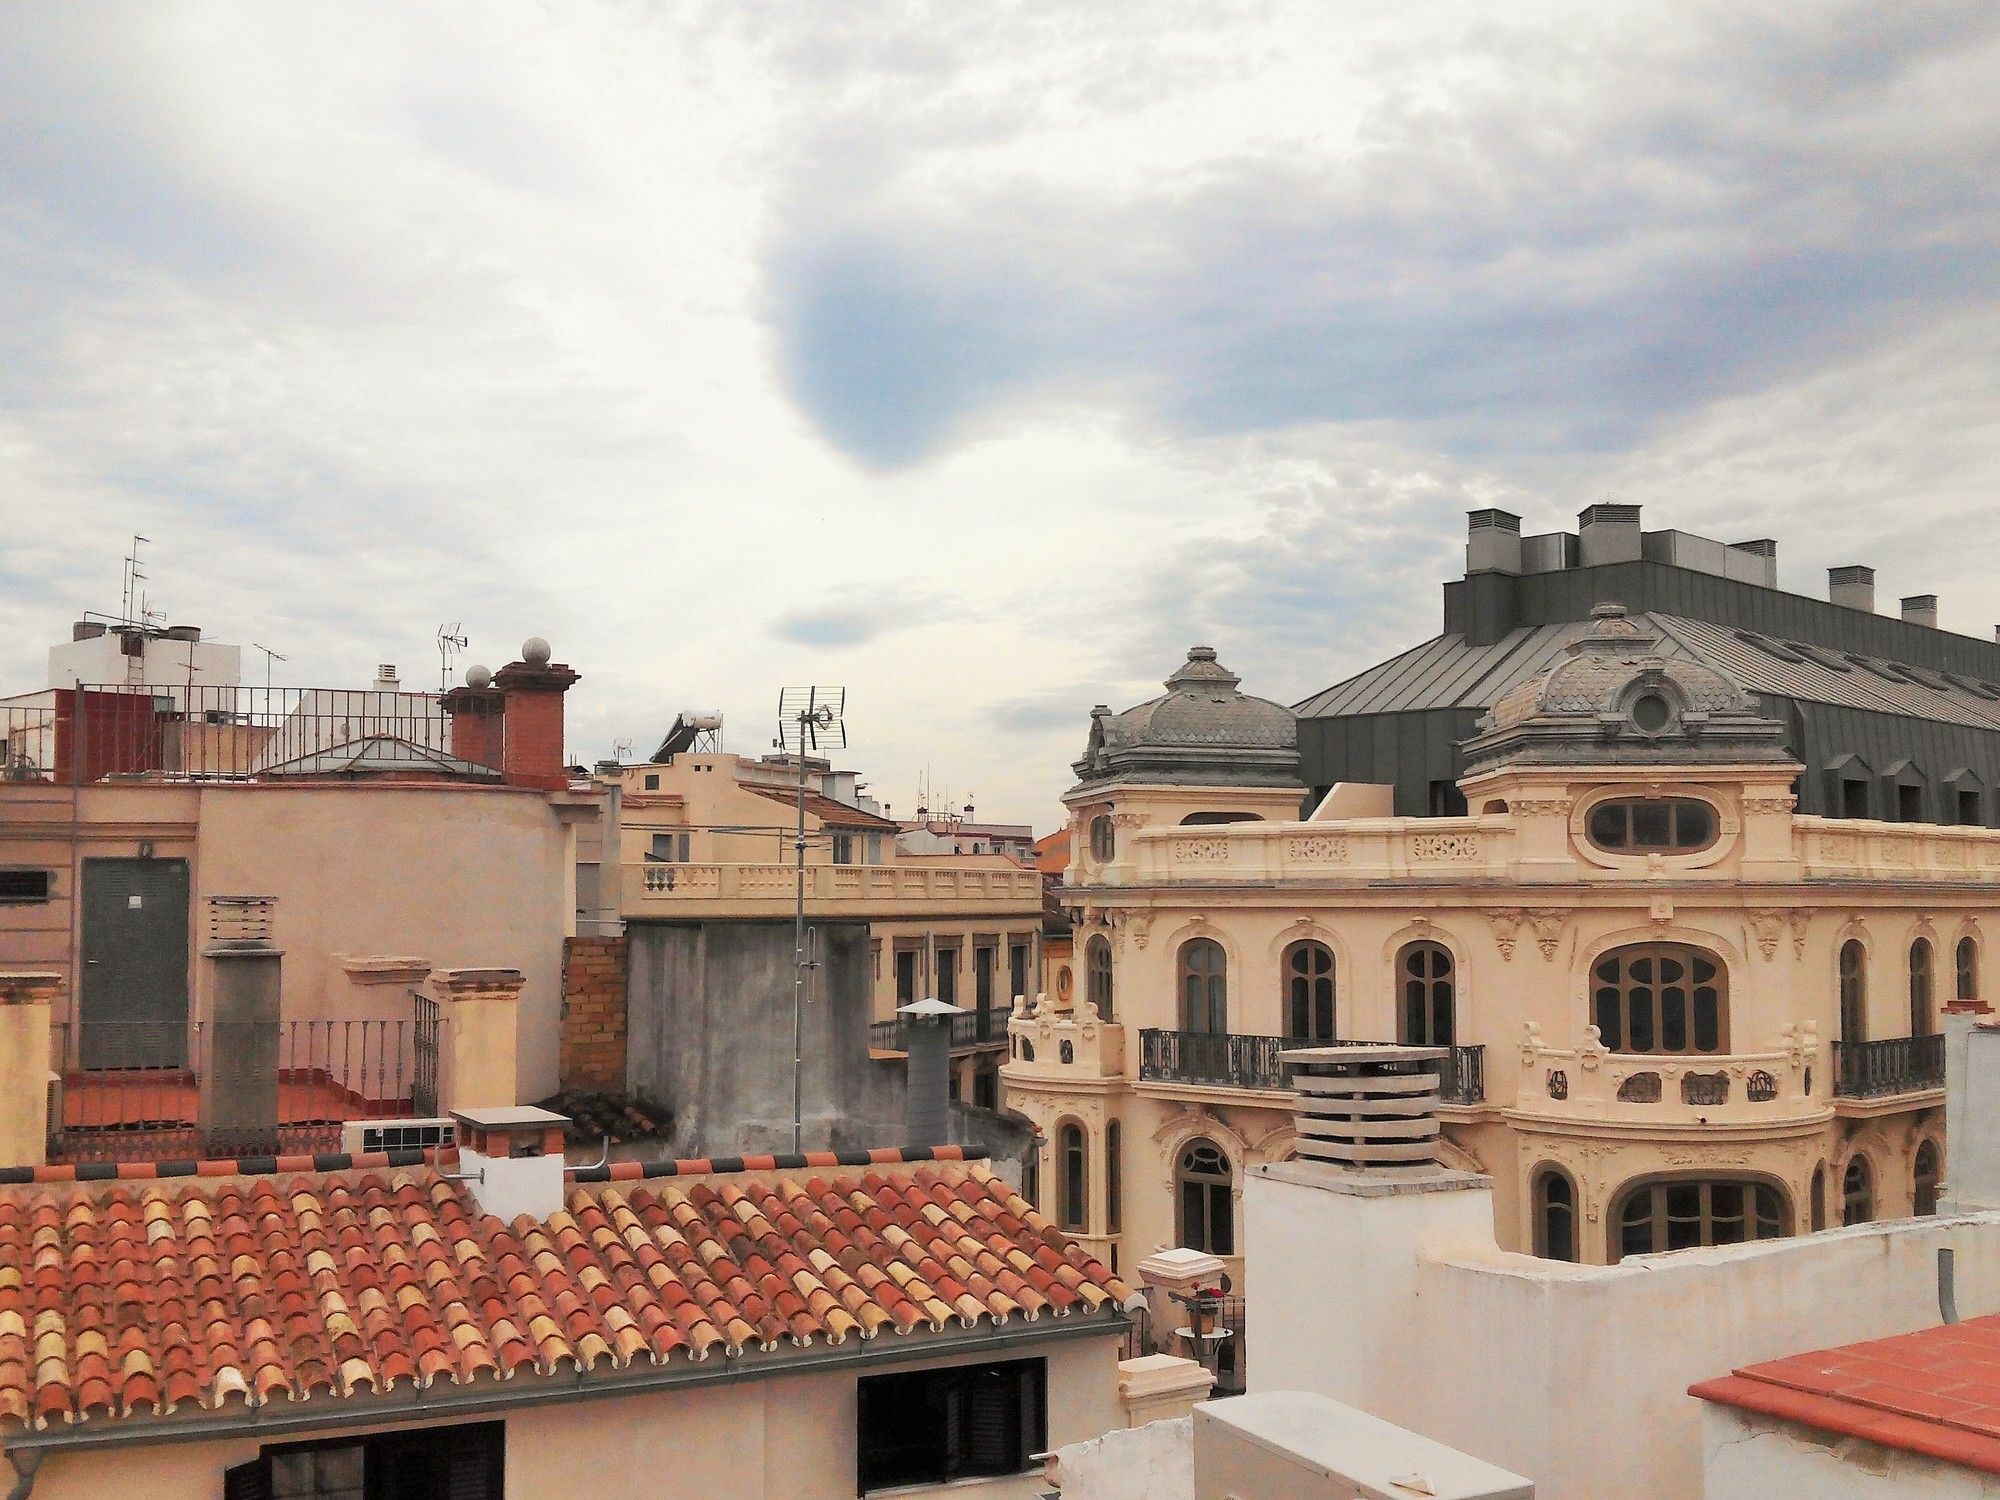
[1298, 1446]
[359, 1137]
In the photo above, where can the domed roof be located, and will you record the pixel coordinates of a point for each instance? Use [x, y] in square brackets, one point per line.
[1613, 696]
[1201, 731]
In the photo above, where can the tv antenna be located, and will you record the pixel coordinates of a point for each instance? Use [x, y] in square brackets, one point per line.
[451, 640]
[269, 657]
[810, 719]
[129, 591]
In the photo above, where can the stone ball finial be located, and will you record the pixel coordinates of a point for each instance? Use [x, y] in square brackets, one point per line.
[477, 676]
[535, 651]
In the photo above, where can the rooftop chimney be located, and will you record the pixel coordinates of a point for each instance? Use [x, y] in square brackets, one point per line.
[927, 1085]
[512, 1159]
[385, 678]
[1371, 1107]
[1492, 541]
[1852, 587]
[1608, 534]
[1754, 561]
[1921, 609]
[531, 752]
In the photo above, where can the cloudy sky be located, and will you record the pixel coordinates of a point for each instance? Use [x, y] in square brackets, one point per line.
[978, 357]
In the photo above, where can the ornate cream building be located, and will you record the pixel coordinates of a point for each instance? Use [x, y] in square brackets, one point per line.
[1678, 1012]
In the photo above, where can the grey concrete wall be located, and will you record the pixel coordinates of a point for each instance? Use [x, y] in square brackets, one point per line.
[709, 1035]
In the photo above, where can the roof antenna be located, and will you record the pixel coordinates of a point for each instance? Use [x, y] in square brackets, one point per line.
[809, 718]
[269, 657]
[451, 640]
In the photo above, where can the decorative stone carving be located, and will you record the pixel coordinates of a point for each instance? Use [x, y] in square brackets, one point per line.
[1505, 920]
[1801, 920]
[1067, 1051]
[1640, 1088]
[1461, 847]
[1761, 1088]
[1549, 922]
[1593, 1051]
[1326, 848]
[1543, 807]
[1769, 927]
[1558, 1084]
[1127, 820]
[1139, 925]
[1708, 1089]
[1769, 806]
[1840, 848]
[1200, 851]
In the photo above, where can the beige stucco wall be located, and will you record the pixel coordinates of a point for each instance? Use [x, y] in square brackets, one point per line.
[1751, 1457]
[789, 1438]
[1526, 907]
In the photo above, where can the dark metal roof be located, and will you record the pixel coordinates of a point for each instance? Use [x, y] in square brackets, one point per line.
[1446, 672]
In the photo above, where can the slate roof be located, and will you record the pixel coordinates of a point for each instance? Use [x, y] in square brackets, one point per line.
[1446, 672]
[142, 1298]
[1935, 1391]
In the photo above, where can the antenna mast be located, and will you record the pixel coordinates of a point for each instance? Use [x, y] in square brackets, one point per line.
[809, 718]
[129, 593]
[451, 640]
[269, 657]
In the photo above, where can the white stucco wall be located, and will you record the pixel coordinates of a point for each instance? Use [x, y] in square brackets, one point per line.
[1575, 1376]
[1749, 1457]
[1153, 1462]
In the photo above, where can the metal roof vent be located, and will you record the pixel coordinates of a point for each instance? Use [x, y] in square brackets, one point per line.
[1371, 1107]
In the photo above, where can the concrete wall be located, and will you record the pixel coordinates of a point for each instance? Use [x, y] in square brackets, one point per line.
[1575, 1376]
[1751, 1457]
[790, 1438]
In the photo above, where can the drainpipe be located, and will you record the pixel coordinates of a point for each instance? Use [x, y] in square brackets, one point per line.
[26, 1464]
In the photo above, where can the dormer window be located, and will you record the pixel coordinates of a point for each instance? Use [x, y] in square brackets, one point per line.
[1651, 713]
[1652, 825]
[1103, 839]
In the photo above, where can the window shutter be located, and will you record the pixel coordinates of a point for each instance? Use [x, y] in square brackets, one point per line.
[474, 1461]
[251, 1481]
[988, 1415]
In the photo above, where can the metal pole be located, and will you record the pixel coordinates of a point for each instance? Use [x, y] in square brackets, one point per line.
[799, 958]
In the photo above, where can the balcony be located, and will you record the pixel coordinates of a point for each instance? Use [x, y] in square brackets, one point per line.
[688, 891]
[1234, 1060]
[1670, 1089]
[974, 1029]
[1893, 1065]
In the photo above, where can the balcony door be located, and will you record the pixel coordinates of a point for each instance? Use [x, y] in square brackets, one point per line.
[133, 999]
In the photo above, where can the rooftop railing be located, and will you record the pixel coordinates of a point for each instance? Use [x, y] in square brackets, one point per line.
[1238, 1060]
[973, 1029]
[1892, 1065]
[196, 732]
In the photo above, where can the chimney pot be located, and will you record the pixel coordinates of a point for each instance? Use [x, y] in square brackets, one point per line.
[1852, 587]
[1921, 609]
[1368, 1108]
[512, 1159]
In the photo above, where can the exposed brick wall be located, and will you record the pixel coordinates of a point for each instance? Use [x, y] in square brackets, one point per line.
[592, 1054]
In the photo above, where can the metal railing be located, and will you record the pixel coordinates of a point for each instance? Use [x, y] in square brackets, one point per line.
[1893, 1065]
[146, 1092]
[1237, 1060]
[973, 1029]
[195, 732]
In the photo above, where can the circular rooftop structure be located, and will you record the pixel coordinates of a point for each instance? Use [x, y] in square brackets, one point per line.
[1203, 731]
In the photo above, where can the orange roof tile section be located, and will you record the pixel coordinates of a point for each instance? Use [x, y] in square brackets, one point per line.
[139, 1299]
[831, 814]
[1935, 1391]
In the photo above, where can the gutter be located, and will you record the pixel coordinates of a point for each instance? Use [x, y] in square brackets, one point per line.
[274, 1419]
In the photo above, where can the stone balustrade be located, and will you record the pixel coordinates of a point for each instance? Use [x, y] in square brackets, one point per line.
[1590, 1082]
[659, 889]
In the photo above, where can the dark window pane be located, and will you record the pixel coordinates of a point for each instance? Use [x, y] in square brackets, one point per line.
[1673, 1020]
[1650, 826]
[1607, 825]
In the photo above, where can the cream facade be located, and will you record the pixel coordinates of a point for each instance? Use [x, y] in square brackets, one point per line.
[1732, 1038]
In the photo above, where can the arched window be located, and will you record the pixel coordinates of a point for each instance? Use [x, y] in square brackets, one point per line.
[1968, 969]
[1103, 839]
[1652, 825]
[1853, 991]
[1923, 1017]
[1206, 1192]
[1660, 997]
[1428, 1016]
[1204, 976]
[1680, 1213]
[1857, 1192]
[1308, 970]
[1097, 974]
[1555, 1214]
[1819, 1197]
[1073, 1179]
[1924, 1175]
[1114, 1178]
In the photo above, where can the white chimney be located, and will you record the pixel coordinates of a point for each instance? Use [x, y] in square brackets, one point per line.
[512, 1160]
[1492, 541]
[1608, 534]
[1921, 609]
[385, 678]
[1368, 1108]
[1852, 587]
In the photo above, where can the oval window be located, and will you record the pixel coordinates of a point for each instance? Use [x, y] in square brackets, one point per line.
[1667, 825]
[1651, 713]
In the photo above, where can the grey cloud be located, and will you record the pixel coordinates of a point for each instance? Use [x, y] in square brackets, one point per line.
[1697, 217]
[853, 618]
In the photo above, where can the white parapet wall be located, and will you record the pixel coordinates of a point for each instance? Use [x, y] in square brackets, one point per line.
[1395, 1299]
[1752, 1457]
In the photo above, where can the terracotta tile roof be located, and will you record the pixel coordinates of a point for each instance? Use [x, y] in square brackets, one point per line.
[830, 813]
[139, 1298]
[1935, 1391]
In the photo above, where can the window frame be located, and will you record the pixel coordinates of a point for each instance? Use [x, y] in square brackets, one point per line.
[1099, 982]
[1311, 993]
[1072, 1177]
[937, 1396]
[25, 896]
[1114, 1177]
[1661, 1218]
[471, 1443]
[1923, 987]
[1924, 1184]
[1202, 991]
[1671, 809]
[1851, 984]
[1620, 1038]
[1544, 1177]
[1103, 837]
[1859, 1188]
[1965, 969]
[1426, 997]
[1209, 1189]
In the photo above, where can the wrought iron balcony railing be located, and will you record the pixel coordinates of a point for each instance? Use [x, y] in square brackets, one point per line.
[1893, 1065]
[1236, 1060]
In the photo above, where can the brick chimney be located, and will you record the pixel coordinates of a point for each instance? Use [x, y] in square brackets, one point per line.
[478, 718]
[531, 753]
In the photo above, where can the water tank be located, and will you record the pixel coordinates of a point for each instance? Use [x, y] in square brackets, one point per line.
[182, 632]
